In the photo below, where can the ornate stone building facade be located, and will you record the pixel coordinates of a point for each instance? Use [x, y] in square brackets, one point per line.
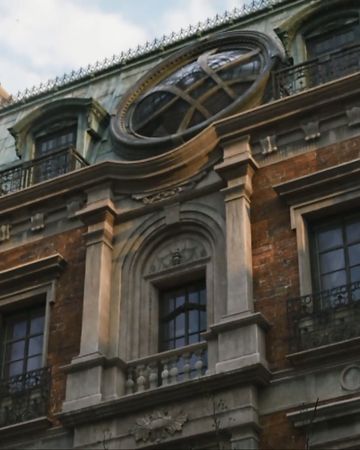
[180, 241]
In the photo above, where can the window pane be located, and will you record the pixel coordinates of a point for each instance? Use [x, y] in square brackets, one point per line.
[203, 297]
[35, 345]
[193, 321]
[18, 330]
[334, 279]
[37, 325]
[179, 342]
[355, 274]
[15, 368]
[34, 363]
[180, 300]
[353, 232]
[328, 239]
[332, 261]
[193, 296]
[203, 321]
[16, 351]
[180, 325]
[354, 254]
[194, 338]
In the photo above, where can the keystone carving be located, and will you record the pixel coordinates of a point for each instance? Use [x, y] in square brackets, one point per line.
[353, 115]
[268, 145]
[158, 426]
[5, 232]
[311, 130]
[178, 252]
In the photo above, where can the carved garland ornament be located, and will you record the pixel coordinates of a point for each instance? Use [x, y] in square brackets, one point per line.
[157, 426]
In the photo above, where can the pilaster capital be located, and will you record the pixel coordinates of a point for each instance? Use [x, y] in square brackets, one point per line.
[237, 167]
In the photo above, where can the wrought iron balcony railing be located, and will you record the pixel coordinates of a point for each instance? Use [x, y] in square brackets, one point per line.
[170, 367]
[40, 169]
[324, 318]
[294, 79]
[24, 397]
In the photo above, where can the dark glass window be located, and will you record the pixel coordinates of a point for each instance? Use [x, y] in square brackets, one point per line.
[182, 315]
[23, 341]
[333, 36]
[52, 142]
[336, 253]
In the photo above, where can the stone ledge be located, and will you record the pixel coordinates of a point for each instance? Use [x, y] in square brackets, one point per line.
[256, 374]
[324, 352]
[238, 321]
[334, 410]
[29, 426]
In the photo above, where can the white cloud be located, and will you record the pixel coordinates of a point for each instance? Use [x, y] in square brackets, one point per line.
[41, 39]
[47, 37]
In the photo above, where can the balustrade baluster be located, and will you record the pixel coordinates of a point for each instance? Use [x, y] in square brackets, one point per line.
[199, 364]
[165, 372]
[187, 365]
[141, 379]
[174, 370]
[153, 375]
[130, 384]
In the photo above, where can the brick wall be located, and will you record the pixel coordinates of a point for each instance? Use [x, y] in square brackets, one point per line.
[66, 312]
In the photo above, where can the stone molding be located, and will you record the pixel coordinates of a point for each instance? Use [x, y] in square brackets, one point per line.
[50, 266]
[320, 183]
[22, 428]
[257, 374]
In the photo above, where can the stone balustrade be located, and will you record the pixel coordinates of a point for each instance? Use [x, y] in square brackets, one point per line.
[166, 368]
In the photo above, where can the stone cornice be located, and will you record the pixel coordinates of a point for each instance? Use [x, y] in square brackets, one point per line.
[334, 410]
[49, 266]
[256, 374]
[143, 176]
[339, 177]
[288, 108]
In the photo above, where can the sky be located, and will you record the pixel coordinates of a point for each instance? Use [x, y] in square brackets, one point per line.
[42, 39]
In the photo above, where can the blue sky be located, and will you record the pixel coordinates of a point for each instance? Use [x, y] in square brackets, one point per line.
[40, 39]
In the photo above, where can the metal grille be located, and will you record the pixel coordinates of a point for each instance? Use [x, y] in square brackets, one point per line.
[295, 79]
[24, 397]
[140, 51]
[40, 169]
[325, 317]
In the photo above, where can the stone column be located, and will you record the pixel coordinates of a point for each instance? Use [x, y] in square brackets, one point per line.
[87, 371]
[238, 169]
[240, 334]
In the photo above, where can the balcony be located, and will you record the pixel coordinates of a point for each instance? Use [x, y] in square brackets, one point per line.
[40, 169]
[324, 318]
[295, 79]
[24, 397]
[166, 368]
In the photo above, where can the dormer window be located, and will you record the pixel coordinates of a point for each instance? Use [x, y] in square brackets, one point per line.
[59, 140]
[334, 35]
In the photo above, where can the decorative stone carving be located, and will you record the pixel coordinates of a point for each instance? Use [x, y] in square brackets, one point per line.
[178, 252]
[350, 378]
[37, 222]
[149, 199]
[353, 115]
[311, 130]
[268, 145]
[158, 426]
[5, 232]
[163, 195]
[73, 206]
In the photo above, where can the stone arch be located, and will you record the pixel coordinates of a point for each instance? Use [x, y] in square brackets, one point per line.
[158, 254]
